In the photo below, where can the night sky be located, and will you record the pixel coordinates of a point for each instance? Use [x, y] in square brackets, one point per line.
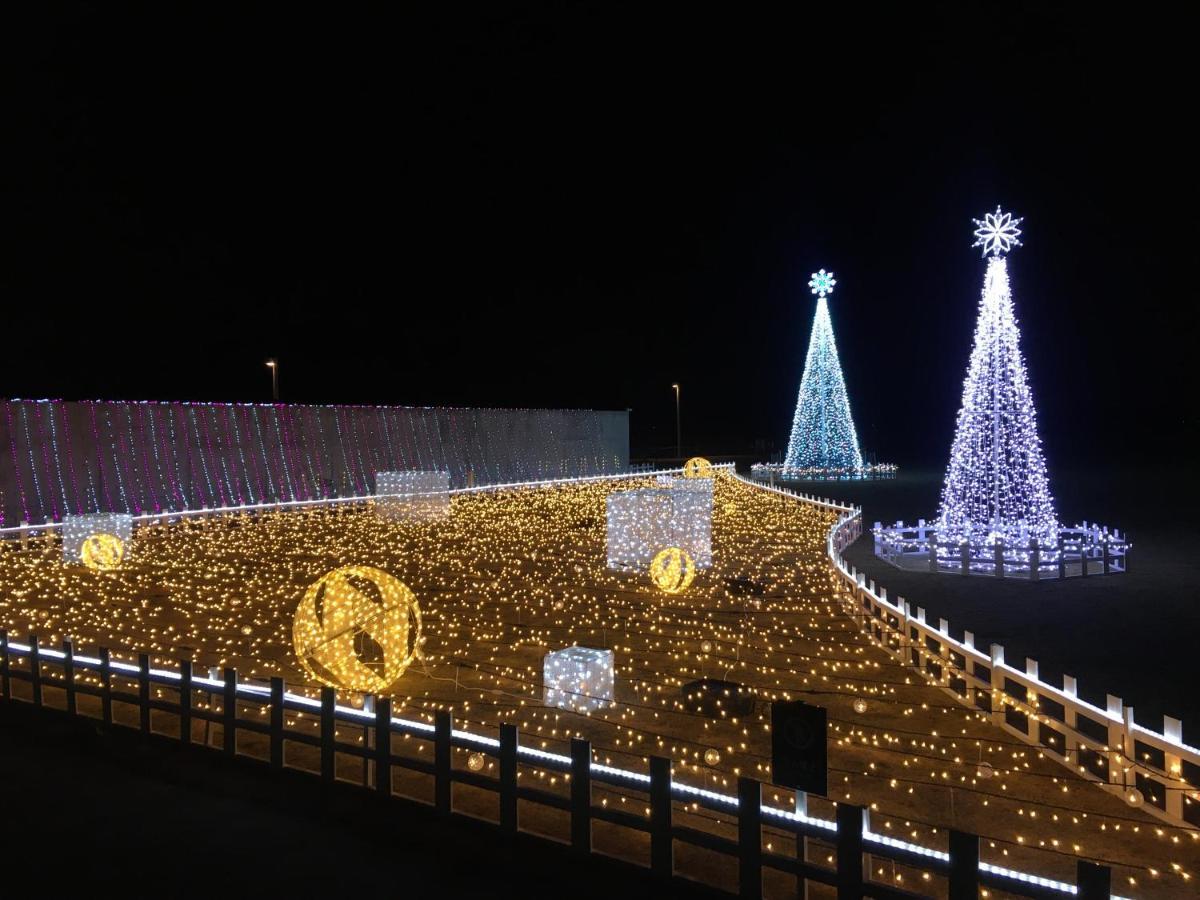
[577, 205]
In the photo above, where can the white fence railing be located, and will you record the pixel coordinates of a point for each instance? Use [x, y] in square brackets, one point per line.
[25, 531]
[1147, 768]
[1086, 549]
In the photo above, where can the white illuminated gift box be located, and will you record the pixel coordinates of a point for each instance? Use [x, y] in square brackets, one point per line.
[77, 529]
[415, 494]
[644, 521]
[578, 678]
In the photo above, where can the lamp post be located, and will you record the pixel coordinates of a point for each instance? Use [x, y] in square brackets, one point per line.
[273, 365]
[678, 442]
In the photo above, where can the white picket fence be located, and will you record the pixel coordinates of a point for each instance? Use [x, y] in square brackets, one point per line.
[1087, 549]
[1151, 769]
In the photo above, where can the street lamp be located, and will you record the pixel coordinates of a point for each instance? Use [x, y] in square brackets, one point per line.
[273, 365]
[678, 443]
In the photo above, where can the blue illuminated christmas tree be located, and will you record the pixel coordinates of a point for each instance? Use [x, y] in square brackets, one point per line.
[823, 435]
[996, 486]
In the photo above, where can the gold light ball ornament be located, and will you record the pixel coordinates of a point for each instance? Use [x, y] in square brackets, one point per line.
[711, 757]
[357, 628]
[102, 551]
[860, 705]
[984, 770]
[475, 762]
[697, 467]
[706, 646]
[672, 570]
[1134, 797]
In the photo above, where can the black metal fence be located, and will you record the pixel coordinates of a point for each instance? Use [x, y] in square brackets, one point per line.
[63, 670]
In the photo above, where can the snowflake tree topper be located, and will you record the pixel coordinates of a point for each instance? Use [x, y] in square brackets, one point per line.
[822, 283]
[997, 233]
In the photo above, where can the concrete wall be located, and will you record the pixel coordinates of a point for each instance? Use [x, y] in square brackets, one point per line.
[58, 457]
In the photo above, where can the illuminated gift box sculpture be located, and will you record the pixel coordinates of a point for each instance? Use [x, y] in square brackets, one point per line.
[77, 530]
[578, 678]
[415, 494]
[644, 521]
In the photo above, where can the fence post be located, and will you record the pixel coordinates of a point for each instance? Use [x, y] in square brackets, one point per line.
[229, 713]
[801, 843]
[383, 746]
[328, 695]
[35, 670]
[1094, 882]
[964, 866]
[998, 554]
[144, 692]
[69, 674]
[443, 725]
[508, 778]
[964, 557]
[749, 837]
[999, 715]
[185, 701]
[933, 559]
[1107, 558]
[581, 795]
[1062, 558]
[850, 822]
[1083, 552]
[106, 685]
[662, 849]
[1035, 560]
[5, 685]
[276, 723]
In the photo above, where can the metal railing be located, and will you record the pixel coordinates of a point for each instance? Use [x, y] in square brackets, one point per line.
[264, 708]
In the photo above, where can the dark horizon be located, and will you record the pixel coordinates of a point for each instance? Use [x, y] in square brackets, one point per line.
[577, 208]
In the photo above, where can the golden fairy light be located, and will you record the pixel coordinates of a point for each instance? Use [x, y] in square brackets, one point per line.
[672, 570]
[697, 467]
[357, 628]
[102, 551]
[514, 575]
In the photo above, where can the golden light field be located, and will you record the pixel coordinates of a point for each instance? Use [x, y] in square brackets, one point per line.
[514, 574]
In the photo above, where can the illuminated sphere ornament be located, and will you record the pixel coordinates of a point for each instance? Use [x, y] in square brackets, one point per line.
[706, 647]
[984, 770]
[697, 467]
[102, 551]
[860, 705]
[672, 570]
[711, 757]
[357, 628]
[1134, 797]
[475, 762]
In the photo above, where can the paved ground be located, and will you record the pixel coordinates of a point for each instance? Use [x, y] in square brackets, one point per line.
[1133, 635]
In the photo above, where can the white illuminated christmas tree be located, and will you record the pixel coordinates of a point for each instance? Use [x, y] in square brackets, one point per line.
[996, 487]
[823, 435]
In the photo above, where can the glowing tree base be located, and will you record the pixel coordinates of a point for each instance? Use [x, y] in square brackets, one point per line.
[1086, 549]
[778, 473]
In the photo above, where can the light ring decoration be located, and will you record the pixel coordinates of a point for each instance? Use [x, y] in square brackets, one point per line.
[102, 551]
[672, 570]
[697, 467]
[357, 628]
